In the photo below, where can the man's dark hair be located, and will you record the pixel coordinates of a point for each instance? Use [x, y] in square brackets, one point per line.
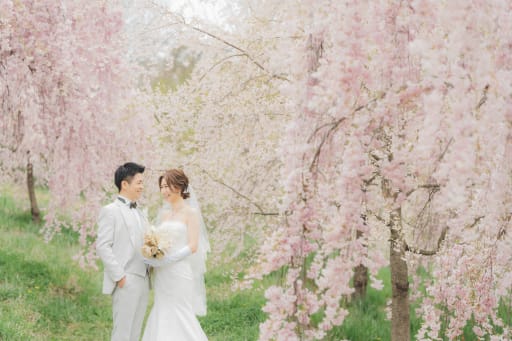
[127, 172]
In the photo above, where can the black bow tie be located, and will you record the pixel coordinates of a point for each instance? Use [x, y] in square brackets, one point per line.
[132, 204]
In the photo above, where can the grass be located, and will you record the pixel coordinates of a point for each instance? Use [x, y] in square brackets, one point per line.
[367, 318]
[44, 295]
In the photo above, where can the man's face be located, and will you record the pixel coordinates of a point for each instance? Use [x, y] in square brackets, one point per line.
[133, 190]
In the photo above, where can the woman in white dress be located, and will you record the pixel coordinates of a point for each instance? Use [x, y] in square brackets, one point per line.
[178, 278]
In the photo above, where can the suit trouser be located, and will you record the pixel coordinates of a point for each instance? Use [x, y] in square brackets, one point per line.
[129, 308]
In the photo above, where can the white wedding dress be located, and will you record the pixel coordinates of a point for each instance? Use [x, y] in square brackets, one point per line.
[173, 317]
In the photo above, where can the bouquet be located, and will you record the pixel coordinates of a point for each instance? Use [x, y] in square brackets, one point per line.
[156, 243]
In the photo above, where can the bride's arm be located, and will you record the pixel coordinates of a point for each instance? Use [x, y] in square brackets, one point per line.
[193, 229]
[193, 241]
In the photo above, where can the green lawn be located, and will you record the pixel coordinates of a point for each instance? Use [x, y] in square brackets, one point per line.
[44, 295]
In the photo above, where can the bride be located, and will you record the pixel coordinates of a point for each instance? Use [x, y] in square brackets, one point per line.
[178, 278]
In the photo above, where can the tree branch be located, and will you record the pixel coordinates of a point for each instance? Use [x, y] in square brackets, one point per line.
[218, 63]
[224, 41]
[379, 218]
[266, 213]
[484, 97]
[445, 150]
[428, 252]
[333, 126]
[439, 241]
[433, 187]
[255, 204]
[503, 229]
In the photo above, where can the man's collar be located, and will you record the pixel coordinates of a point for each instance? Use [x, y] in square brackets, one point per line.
[124, 200]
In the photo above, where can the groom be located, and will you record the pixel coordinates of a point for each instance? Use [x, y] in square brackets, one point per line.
[120, 235]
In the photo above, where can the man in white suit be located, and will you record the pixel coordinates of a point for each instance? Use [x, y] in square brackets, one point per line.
[120, 236]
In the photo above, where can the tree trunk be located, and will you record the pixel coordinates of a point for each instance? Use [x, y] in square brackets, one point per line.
[360, 278]
[360, 281]
[34, 209]
[399, 282]
[240, 245]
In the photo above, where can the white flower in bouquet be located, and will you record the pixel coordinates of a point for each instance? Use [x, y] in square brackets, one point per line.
[156, 243]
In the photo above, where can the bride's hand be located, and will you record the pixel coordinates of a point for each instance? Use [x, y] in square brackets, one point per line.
[152, 262]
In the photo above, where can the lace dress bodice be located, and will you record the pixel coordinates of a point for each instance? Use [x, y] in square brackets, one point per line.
[177, 232]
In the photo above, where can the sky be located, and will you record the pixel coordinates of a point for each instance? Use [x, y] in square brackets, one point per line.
[209, 10]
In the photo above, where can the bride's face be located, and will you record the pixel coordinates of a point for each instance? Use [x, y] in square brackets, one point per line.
[168, 192]
[164, 189]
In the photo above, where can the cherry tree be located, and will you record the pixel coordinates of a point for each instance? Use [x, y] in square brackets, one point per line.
[70, 107]
[226, 120]
[401, 132]
[345, 134]
[396, 132]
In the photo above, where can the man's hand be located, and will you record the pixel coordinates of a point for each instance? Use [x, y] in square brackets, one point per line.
[121, 282]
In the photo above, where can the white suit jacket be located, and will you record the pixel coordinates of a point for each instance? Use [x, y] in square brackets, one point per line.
[119, 243]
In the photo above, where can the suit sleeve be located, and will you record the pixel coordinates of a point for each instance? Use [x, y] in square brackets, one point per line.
[104, 243]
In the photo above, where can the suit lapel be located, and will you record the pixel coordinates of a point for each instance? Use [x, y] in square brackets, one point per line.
[129, 223]
[143, 219]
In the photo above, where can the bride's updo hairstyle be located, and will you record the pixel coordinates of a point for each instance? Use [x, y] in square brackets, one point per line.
[177, 179]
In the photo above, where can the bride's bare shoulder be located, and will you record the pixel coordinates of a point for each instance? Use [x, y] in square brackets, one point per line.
[166, 215]
[191, 211]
